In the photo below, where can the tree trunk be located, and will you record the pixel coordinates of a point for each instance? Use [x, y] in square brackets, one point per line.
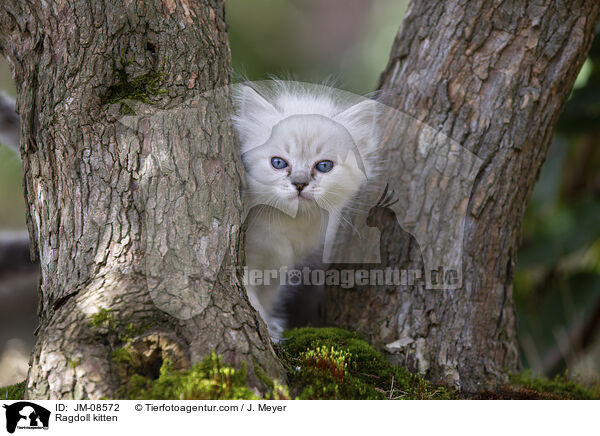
[132, 182]
[493, 77]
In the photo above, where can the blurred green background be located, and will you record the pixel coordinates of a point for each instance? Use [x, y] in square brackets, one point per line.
[557, 280]
[12, 205]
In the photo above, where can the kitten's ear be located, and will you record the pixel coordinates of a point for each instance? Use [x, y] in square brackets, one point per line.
[252, 103]
[254, 117]
[363, 113]
[361, 120]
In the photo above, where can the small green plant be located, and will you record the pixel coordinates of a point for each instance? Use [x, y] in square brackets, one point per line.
[331, 361]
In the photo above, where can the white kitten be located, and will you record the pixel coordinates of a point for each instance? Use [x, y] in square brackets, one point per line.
[306, 155]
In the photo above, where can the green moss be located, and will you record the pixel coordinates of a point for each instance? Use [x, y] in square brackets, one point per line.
[278, 392]
[263, 377]
[326, 363]
[122, 356]
[14, 392]
[142, 88]
[331, 363]
[275, 390]
[104, 319]
[560, 387]
[209, 379]
[206, 380]
[74, 363]
[131, 332]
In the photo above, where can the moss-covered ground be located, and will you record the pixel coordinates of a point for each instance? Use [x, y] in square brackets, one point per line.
[206, 380]
[326, 363]
[525, 386]
[14, 392]
[331, 363]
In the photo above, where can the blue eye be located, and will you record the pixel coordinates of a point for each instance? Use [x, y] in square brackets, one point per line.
[324, 166]
[278, 163]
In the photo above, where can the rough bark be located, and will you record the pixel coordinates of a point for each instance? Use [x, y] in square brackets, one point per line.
[131, 218]
[492, 76]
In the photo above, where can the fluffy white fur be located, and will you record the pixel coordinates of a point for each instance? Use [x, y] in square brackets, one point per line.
[302, 125]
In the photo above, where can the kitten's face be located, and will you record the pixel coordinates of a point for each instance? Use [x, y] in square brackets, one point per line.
[308, 161]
